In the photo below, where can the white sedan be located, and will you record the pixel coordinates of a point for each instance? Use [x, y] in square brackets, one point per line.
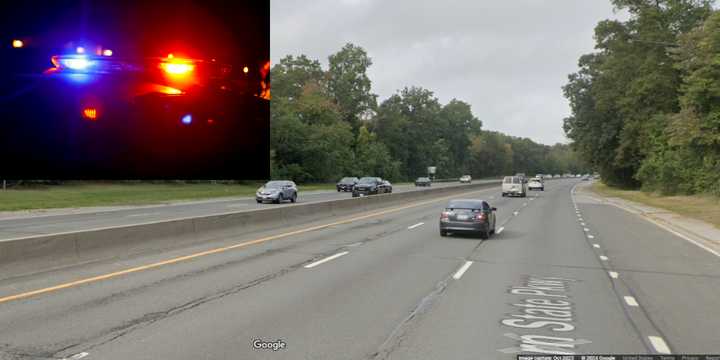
[536, 184]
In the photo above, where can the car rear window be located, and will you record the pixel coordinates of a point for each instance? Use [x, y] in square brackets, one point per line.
[515, 180]
[508, 179]
[465, 204]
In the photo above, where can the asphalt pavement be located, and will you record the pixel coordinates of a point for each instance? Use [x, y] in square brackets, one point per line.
[563, 274]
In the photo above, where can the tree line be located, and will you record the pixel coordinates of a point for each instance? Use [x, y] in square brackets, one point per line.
[327, 123]
[646, 104]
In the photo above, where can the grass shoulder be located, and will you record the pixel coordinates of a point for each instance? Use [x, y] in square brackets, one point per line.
[85, 194]
[701, 207]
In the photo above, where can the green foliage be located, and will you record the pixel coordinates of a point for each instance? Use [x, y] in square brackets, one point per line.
[643, 106]
[326, 125]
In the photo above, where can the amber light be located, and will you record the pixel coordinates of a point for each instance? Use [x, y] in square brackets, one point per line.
[90, 113]
[18, 44]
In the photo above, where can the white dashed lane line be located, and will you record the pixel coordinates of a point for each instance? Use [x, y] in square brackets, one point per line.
[462, 270]
[603, 258]
[500, 230]
[590, 236]
[595, 245]
[613, 274]
[329, 258]
[416, 225]
[586, 229]
[515, 213]
[659, 344]
[630, 301]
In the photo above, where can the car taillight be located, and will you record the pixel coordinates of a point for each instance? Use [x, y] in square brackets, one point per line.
[444, 215]
[480, 217]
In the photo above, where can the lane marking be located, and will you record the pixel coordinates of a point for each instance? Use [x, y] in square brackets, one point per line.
[225, 248]
[591, 236]
[77, 356]
[329, 258]
[462, 270]
[500, 230]
[515, 213]
[659, 344]
[142, 214]
[595, 245]
[613, 274]
[586, 229]
[630, 301]
[524, 204]
[416, 225]
[582, 223]
[603, 258]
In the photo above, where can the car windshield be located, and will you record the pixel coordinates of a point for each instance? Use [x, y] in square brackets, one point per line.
[423, 179]
[367, 180]
[275, 184]
[465, 204]
[347, 179]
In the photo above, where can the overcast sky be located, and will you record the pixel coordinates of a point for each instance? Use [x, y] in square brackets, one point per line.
[508, 59]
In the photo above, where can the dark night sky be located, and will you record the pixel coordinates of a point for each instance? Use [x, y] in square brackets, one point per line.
[233, 30]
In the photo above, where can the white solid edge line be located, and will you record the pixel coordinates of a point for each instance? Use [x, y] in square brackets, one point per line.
[603, 258]
[595, 245]
[659, 344]
[329, 258]
[500, 230]
[462, 270]
[416, 225]
[630, 301]
[613, 274]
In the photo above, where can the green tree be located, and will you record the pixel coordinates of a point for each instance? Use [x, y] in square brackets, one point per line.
[350, 85]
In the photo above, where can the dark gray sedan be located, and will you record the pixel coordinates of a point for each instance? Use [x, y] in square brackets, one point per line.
[277, 191]
[468, 215]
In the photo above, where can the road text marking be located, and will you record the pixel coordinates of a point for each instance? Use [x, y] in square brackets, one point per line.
[329, 258]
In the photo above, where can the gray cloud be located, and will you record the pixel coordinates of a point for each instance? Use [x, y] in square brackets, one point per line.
[508, 59]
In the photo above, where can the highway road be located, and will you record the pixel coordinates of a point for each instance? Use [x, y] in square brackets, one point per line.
[34, 225]
[566, 274]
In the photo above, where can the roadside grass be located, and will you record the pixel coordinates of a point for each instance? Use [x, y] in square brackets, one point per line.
[83, 194]
[701, 207]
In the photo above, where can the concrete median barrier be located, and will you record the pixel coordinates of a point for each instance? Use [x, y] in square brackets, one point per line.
[42, 253]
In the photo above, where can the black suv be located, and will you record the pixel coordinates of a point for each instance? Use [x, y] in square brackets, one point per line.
[423, 181]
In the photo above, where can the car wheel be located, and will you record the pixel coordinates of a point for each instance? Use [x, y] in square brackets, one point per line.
[443, 233]
[279, 199]
[355, 195]
[293, 198]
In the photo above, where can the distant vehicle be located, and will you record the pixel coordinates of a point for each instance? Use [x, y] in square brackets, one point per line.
[277, 191]
[515, 186]
[596, 176]
[536, 184]
[423, 181]
[346, 184]
[586, 178]
[474, 216]
[370, 185]
[556, 176]
[465, 179]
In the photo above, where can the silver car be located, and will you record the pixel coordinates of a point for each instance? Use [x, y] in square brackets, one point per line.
[277, 191]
